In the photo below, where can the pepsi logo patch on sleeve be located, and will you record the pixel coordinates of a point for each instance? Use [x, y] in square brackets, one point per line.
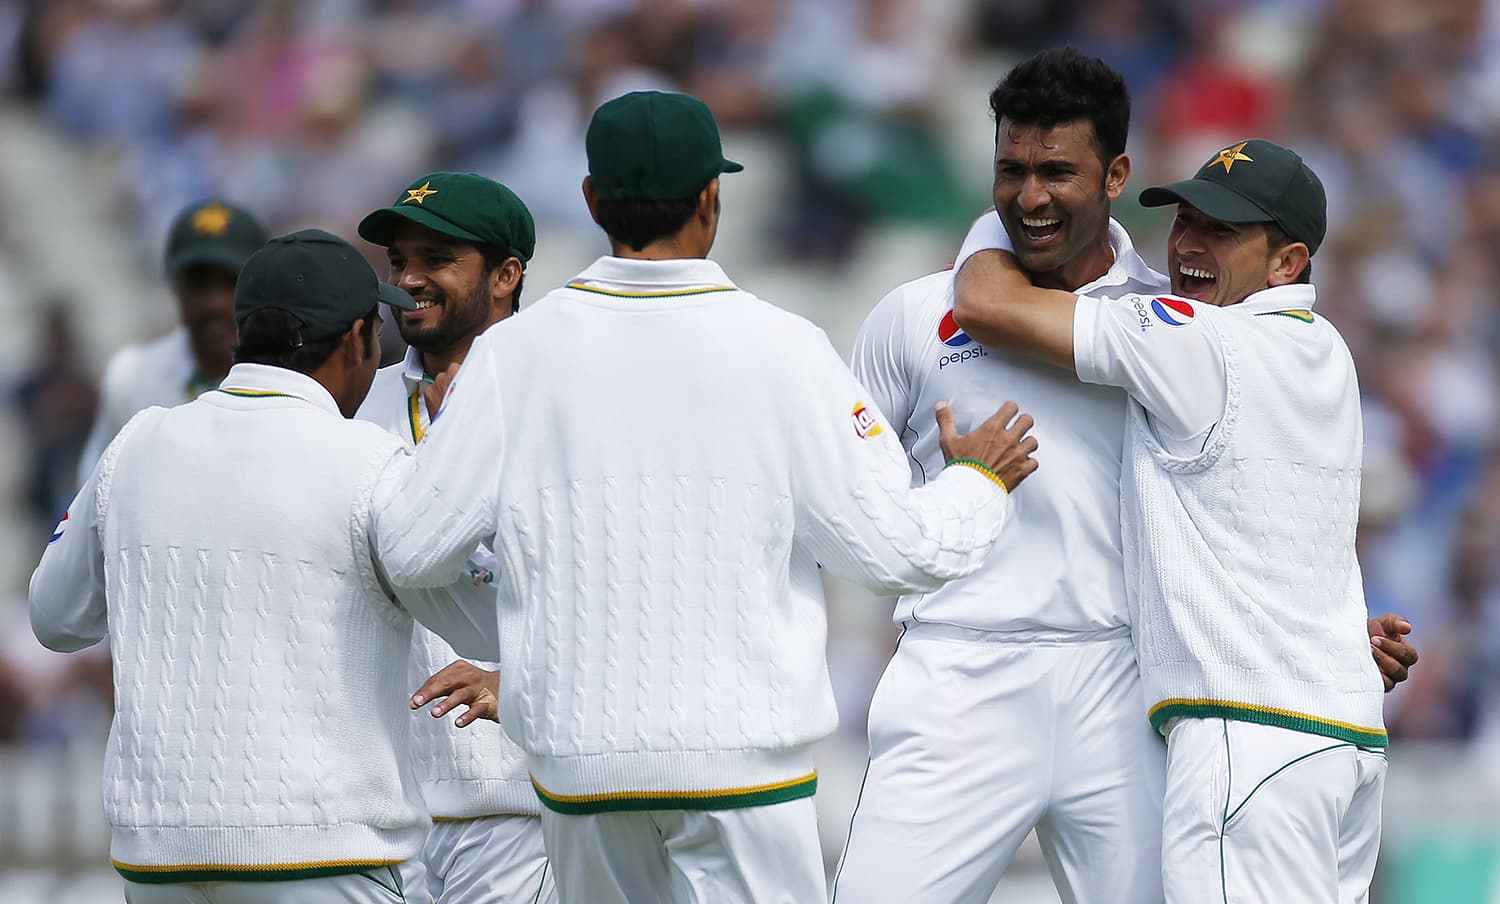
[57, 532]
[865, 424]
[1172, 311]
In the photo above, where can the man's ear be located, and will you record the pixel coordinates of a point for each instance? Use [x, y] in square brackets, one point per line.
[708, 201]
[1115, 176]
[1286, 264]
[590, 197]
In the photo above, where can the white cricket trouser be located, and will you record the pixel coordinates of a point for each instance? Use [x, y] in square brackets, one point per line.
[975, 741]
[1263, 815]
[405, 883]
[488, 860]
[753, 855]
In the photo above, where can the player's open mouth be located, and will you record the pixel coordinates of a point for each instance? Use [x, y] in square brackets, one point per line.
[1038, 230]
[1195, 280]
[425, 303]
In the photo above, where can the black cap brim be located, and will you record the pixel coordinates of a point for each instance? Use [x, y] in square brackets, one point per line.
[231, 259]
[1209, 198]
[396, 297]
[379, 228]
[729, 166]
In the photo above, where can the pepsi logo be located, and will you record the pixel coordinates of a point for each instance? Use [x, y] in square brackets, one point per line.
[951, 333]
[1172, 311]
[58, 531]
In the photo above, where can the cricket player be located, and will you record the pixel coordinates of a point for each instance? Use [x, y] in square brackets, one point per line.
[260, 745]
[206, 246]
[459, 243]
[953, 786]
[663, 460]
[1240, 496]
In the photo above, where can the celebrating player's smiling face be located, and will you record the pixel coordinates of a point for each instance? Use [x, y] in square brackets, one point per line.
[1052, 192]
[1216, 262]
[447, 277]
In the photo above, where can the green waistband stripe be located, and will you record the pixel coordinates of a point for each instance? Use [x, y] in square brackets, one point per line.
[728, 799]
[707, 290]
[1266, 715]
[220, 872]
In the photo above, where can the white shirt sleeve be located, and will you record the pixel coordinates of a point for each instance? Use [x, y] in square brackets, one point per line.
[1165, 352]
[987, 234]
[880, 362]
[432, 509]
[856, 510]
[68, 607]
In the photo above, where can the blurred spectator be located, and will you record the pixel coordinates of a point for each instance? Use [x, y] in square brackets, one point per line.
[57, 400]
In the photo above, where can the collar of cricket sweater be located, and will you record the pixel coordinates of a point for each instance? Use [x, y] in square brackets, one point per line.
[628, 277]
[1295, 300]
[252, 381]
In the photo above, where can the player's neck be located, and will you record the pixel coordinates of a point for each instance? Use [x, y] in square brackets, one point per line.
[1081, 270]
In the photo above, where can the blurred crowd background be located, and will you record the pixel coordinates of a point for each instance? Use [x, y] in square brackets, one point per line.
[867, 139]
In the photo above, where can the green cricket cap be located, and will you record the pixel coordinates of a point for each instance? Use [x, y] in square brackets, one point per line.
[461, 205]
[213, 232]
[654, 146]
[318, 278]
[1254, 181]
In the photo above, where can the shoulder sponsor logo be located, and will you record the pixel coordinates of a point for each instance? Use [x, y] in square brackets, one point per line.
[951, 333]
[953, 336]
[57, 532]
[1172, 311]
[865, 424]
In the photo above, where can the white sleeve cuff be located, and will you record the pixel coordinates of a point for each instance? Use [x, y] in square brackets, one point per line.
[1085, 328]
[987, 234]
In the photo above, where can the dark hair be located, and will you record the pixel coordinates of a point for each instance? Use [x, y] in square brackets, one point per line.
[495, 256]
[273, 337]
[1276, 237]
[637, 223]
[1062, 85]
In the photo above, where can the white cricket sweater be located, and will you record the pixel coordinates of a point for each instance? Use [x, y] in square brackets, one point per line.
[1240, 501]
[663, 460]
[261, 722]
[465, 772]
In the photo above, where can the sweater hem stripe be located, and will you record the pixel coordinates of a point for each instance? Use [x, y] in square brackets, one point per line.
[727, 799]
[219, 872]
[1266, 715]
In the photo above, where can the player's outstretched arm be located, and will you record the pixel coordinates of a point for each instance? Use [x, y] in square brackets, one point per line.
[857, 512]
[461, 683]
[995, 302]
[1392, 651]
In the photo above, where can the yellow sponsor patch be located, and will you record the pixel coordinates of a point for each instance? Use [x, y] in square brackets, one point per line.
[865, 423]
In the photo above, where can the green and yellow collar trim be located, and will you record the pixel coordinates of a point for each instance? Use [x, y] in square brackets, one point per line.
[728, 799]
[219, 872]
[1295, 314]
[677, 293]
[258, 394]
[1181, 708]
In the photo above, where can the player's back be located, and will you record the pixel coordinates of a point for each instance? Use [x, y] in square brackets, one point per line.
[252, 642]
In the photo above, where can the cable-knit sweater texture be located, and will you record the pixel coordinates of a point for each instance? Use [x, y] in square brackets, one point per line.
[663, 461]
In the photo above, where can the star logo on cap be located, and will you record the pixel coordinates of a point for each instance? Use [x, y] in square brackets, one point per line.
[211, 219]
[419, 194]
[1229, 156]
